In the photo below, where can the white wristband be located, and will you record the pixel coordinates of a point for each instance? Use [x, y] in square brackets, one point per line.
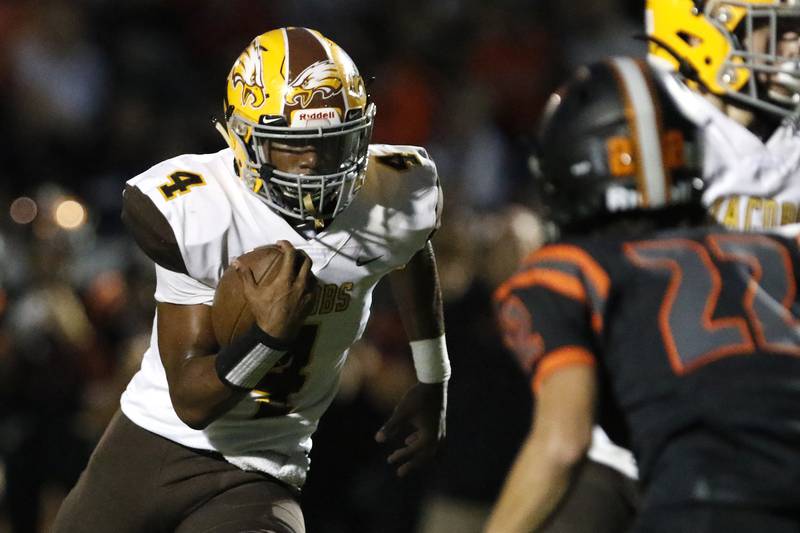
[430, 360]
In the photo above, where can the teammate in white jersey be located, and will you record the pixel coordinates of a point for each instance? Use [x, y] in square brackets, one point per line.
[733, 67]
[213, 438]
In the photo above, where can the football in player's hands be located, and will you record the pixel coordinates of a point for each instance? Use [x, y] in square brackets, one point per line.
[230, 314]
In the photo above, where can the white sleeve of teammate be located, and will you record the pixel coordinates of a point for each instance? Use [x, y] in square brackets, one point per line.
[175, 288]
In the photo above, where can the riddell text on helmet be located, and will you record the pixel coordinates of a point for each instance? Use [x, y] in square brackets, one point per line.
[306, 115]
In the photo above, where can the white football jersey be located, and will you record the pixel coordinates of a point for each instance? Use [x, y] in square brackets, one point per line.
[750, 185]
[215, 219]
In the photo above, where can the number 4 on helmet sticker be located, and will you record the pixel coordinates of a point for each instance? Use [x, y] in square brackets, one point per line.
[179, 183]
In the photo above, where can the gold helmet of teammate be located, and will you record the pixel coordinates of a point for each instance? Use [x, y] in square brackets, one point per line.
[293, 90]
[744, 50]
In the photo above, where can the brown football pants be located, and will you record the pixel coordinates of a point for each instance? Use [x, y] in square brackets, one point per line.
[601, 500]
[138, 482]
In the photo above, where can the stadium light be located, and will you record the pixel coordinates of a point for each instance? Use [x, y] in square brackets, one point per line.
[70, 214]
[23, 210]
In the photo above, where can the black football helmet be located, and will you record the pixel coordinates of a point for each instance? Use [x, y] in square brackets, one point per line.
[612, 141]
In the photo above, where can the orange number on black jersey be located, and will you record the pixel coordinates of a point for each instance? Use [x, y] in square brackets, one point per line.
[179, 183]
[692, 336]
[287, 376]
[516, 323]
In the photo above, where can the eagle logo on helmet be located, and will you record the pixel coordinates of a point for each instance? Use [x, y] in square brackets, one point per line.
[248, 73]
[321, 77]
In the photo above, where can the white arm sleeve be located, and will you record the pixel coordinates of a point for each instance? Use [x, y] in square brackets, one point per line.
[175, 288]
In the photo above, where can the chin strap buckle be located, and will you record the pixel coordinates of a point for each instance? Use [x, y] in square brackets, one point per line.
[308, 204]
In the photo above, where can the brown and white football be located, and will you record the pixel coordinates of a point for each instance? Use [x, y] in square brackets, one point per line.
[230, 314]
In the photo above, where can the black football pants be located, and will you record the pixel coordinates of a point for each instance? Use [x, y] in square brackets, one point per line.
[138, 482]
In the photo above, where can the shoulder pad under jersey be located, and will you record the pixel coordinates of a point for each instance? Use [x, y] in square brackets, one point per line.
[177, 208]
[395, 171]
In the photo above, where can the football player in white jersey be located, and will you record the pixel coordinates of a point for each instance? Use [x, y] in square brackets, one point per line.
[213, 438]
[733, 67]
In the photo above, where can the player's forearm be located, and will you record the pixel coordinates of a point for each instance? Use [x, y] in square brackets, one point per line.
[419, 300]
[543, 470]
[418, 295]
[536, 484]
[187, 346]
[198, 395]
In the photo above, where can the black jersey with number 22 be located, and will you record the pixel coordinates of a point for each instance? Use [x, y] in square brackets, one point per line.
[696, 338]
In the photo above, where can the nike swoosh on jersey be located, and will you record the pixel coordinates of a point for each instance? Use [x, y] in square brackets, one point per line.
[361, 261]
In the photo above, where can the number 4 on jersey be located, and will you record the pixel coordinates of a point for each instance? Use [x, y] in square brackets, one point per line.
[179, 183]
[273, 393]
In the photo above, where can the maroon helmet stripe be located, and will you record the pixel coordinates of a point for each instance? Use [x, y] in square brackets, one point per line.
[304, 50]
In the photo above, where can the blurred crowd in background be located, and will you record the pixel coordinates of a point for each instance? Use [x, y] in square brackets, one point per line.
[95, 92]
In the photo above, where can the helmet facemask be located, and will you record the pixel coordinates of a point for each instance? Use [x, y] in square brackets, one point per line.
[773, 83]
[731, 48]
[299, 122]
[337, 174]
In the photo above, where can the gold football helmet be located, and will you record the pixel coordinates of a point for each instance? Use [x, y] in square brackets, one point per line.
[294, 89]
[712, 43]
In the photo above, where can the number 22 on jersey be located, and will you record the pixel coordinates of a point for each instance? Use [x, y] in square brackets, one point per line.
[692, 336]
